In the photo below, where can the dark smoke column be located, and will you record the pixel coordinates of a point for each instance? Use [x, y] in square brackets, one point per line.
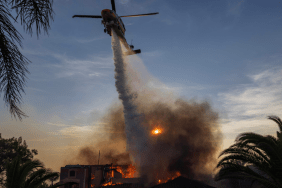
[132, 118]
[189, 137]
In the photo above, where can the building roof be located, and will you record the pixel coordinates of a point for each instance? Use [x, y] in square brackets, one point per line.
[125, 185]
[72, 166]
[182, 182]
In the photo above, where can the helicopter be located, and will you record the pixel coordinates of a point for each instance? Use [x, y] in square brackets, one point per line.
[112, 21]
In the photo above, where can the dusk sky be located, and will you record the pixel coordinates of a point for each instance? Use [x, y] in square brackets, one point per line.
[226, 52]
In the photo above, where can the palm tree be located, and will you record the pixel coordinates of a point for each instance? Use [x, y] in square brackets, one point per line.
[254, 157]
[13, 65]
[30, 174]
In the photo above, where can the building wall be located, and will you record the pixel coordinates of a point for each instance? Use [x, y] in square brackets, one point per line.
[97, 171]
[89, 176]
[79, 179]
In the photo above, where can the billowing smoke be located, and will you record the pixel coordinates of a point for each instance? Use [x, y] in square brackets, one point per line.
[187, 134]
[164, 135]
[89, 156]
[187, 141]
[110, 141]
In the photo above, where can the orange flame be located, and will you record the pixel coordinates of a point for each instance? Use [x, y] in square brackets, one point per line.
[177, 174]
[156, 131]
[106, 184]
[128, 172]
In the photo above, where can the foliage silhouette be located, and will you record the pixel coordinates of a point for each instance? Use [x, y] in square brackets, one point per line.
[30, 174]
[13, 65]
[254, 157]
[10, 149]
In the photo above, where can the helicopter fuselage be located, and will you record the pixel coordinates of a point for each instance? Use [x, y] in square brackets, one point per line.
[110, 20]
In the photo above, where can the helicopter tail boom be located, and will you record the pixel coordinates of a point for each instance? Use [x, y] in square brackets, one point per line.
[131, 52]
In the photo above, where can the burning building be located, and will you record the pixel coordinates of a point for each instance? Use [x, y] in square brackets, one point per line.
[182, 182]
[93, 176]
[162, 135]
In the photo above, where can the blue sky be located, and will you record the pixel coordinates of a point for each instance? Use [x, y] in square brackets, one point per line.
[226, 52]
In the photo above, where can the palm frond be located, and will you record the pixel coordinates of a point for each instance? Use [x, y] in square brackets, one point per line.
[244, 157]
[253, 138]
[246, 149]
[277, 120]
[28, 167]
[248, 160]
[233, 171]
[46, 176]
[254, 157]
[12, 173]
[28, 174]
[12, 64]
[271, 151]
[38, 12]
[35, 175]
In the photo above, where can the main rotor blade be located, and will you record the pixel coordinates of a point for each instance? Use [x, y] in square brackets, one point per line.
[137, 15]
[113, 5]
[86, 16]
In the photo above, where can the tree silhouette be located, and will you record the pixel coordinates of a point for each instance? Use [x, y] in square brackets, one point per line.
[12, 148]
[13, 65]
[254, 157]
[30, 174]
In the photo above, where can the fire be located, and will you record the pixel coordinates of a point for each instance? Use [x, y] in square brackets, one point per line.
[156, 131]
[128, 172]
[177, 174]
[92, 178]
[109, 183]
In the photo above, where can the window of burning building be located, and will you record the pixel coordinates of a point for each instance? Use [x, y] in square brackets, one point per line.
[72, 173]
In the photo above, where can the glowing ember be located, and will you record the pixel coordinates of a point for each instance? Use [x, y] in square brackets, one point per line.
[156, 131]
[177, 174]
[107, 184]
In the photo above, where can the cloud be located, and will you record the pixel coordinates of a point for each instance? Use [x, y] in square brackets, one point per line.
[83, 131]
[249, 105]
[81, 67]
[96, 74]
[260, 98]
[68, 66]
[76, 131]
[59, 124]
